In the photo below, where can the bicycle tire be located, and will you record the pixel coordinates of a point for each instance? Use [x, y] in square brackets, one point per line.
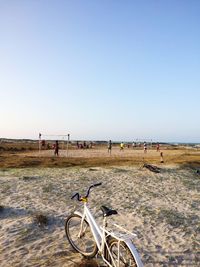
[126, 258]
[88, 248]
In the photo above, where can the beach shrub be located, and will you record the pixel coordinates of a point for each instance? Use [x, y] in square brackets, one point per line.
[29, 178]
[40, 219]
[48, 188]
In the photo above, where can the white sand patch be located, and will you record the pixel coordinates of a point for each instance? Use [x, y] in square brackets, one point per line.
[163, 209]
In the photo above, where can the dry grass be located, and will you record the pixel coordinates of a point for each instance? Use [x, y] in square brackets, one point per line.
[17, 146]
[23, 154]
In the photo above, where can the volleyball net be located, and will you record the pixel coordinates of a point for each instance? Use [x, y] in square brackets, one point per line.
[46, 141]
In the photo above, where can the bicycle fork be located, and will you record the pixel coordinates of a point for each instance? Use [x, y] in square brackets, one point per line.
[81, 232]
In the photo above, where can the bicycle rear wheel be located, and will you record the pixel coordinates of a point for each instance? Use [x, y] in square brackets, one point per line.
[121, 254]
[83, 242]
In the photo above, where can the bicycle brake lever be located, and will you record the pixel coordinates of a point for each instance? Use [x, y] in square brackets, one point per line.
[78, 197]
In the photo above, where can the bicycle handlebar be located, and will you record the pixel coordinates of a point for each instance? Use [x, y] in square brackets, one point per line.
[97, 184]
[77, 195]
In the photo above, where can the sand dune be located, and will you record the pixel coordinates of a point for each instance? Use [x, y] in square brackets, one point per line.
[163, 209]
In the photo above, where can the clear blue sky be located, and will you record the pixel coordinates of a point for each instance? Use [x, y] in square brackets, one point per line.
[103, 70]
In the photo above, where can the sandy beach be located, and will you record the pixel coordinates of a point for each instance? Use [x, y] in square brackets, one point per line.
[161, 208]
[99, 92]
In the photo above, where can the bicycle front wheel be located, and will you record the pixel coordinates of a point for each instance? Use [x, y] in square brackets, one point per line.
[80, 238]
[121, 255]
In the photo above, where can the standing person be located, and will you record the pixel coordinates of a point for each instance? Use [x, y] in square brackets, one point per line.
[77, 144]
[43, 144]
[158, 147]
[161, 157]
[109, 146]
[56, 149]
[121, 146]
[145, 147]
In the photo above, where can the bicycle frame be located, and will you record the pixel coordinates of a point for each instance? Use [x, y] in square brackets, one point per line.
[100, 235]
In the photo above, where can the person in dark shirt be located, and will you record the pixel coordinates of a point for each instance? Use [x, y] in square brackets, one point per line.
[56, 149]
[109, 146]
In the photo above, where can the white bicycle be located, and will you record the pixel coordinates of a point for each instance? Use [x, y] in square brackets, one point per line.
[87, 238]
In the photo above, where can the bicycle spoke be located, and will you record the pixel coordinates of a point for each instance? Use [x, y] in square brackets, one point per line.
[124, 258]
[82, 241]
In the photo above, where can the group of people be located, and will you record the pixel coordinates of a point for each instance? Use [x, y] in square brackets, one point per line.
[134, 145]
[84, 145]
[47, 146]
[110, 146]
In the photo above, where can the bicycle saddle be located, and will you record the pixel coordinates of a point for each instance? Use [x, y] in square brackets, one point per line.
[107, 212]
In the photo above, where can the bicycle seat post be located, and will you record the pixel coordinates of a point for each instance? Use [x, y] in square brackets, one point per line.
[104, 222]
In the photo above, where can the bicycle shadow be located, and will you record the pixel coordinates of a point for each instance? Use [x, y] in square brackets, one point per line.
[173, 259]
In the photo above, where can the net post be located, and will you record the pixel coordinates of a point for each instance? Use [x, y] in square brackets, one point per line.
[68, 137]
[63, 142]
[39, 142]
